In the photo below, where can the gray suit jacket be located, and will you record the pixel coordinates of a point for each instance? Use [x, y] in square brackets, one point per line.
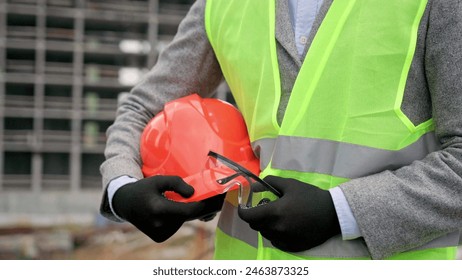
[396, 210]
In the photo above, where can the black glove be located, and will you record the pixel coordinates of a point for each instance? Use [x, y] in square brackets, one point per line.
[143, 204]
[302, 218]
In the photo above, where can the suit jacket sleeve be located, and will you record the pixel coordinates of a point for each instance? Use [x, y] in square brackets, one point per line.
[187, 65]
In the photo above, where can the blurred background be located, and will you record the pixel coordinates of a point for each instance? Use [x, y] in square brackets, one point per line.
[64, 66]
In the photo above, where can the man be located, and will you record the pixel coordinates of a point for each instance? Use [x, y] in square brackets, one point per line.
[364, 103]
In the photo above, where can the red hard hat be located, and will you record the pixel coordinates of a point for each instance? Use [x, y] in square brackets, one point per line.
[178, 139]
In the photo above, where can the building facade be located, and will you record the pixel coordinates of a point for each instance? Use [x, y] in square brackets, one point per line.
[63, 66]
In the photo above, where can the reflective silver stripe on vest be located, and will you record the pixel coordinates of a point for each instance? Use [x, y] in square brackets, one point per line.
[232, 225]
[334, 248]
[338, 159]
[338, 248]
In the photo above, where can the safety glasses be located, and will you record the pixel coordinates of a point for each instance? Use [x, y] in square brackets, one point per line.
[230, 174]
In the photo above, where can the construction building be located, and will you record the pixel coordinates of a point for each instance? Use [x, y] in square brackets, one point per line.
[63, 66]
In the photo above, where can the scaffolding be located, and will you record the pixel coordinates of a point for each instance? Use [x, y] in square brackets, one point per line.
[63, 64]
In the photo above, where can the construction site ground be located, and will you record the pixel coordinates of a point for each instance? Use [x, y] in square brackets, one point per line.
[194, 241]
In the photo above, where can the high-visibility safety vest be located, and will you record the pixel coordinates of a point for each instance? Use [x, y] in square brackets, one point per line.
[343, 119]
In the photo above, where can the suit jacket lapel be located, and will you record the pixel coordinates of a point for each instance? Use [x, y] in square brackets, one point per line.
[284, 31]
[317, 23]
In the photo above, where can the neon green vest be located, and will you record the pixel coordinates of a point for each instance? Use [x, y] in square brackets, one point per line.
[345, 104]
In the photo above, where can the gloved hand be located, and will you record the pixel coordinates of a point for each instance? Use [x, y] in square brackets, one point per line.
[143, 204]
[302, 218]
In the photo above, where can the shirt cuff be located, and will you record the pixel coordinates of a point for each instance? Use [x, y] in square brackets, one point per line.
[115, 185]
[348, 224]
